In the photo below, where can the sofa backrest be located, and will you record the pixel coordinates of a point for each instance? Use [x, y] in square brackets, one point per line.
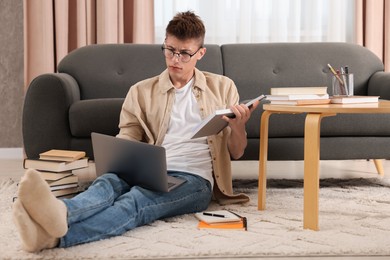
[109, 70]
[255, 68]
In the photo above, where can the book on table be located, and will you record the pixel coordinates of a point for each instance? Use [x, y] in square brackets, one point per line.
[221, 219]
[354, 99]
[301, 102]
[213, 124]
[62, 155]
[54, 166]
[297, 97]
[319, 90]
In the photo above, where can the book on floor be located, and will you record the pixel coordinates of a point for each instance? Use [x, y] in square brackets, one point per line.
[54, 166]
[54, 176]
[213, 124]
[61, 155]
[301, 102]
[299, 90]
[240, 225]
[354, 99]
[217, 216]
[71, 179]
[68, 192]
[64, 186]
[221, 219]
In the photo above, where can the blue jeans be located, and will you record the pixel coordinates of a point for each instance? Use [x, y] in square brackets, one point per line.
[110, 207]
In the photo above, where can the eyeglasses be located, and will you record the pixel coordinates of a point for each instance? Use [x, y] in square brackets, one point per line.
[183, 56]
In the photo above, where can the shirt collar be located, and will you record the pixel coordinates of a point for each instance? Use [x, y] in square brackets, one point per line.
[200, 81]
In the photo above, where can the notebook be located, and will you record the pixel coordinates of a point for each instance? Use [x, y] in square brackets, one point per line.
[137, 163]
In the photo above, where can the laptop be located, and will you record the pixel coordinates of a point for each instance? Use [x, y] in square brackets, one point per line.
[137, 163]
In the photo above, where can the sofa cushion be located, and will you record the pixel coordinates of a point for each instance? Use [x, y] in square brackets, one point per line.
[95, 115]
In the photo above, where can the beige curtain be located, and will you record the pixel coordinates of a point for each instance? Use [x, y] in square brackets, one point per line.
[373, 27]
[53, 28]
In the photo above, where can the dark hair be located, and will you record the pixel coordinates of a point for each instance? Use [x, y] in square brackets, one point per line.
[186, 25]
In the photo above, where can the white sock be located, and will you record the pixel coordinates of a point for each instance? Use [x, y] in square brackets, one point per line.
[41, 205]
[33, 237]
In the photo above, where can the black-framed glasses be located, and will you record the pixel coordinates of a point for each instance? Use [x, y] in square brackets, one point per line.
[182, 55]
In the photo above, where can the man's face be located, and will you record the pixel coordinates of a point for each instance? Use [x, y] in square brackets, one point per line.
[179, 70]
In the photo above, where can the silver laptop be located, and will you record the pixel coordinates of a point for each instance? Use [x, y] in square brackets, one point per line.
[137, 163]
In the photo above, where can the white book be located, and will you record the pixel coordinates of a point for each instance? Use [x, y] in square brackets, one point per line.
[299, 90]
[354, 99]
[217, 216]
[297, 97]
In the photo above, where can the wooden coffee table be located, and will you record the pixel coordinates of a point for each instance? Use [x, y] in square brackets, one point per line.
[314, 115]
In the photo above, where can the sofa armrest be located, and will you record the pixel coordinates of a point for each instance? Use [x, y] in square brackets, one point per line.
[46, 113]
[379, 85]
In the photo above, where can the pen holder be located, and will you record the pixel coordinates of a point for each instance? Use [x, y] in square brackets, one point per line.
[342, 84]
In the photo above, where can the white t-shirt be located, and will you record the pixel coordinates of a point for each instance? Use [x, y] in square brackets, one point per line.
[185, 154]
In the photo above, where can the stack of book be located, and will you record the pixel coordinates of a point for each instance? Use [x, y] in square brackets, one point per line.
[56, 168]
[221, 219]
[299, 96]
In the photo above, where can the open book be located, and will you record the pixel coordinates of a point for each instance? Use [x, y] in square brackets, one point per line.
[213, 124]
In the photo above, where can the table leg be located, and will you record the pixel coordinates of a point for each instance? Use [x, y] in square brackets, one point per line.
[311, 170]
[263, 160]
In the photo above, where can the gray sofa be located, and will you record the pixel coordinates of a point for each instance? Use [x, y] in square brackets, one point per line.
[62, 109]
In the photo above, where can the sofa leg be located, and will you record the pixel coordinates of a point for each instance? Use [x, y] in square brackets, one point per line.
[379, 167]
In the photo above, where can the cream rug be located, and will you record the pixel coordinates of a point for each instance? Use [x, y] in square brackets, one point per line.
[354, 220]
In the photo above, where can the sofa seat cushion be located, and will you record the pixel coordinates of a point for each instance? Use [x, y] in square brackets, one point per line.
[95, 115]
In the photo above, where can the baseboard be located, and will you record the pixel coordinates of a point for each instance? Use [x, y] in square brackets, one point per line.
[11, 153]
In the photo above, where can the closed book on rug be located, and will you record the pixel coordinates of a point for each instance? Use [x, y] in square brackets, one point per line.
[71, 179]
[229, 225]
[217, 216]
[221, 219]
[68, 192]
[54, 166]
[61, 155]
[54, 176]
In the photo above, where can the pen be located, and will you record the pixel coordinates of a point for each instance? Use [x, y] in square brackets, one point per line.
[244, 220]
[335, 74]
[213, 215]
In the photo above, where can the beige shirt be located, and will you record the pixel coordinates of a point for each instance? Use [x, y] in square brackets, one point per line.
[146, 112]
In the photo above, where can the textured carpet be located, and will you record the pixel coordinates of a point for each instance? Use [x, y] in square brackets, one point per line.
[354, 220]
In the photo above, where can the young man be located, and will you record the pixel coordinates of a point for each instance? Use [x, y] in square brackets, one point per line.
[161, 110]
